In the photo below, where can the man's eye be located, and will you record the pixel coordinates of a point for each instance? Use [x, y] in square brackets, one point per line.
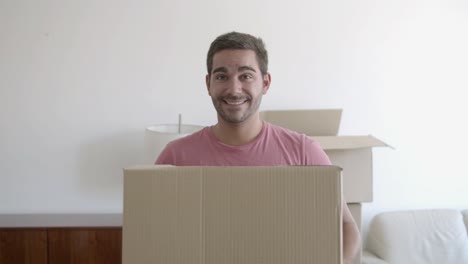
[246, 76]
[220, 77]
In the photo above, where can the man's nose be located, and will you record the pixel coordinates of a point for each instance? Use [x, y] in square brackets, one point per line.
[235, 85]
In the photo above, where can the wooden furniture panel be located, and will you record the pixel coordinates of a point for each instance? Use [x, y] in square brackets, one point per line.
[23, 246]
[85, 245]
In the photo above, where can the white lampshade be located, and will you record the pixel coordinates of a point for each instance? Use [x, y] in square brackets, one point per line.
[157, 137]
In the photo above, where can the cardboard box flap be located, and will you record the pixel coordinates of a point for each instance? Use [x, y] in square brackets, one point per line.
[314, 122]
[348, 142]
[230, 215]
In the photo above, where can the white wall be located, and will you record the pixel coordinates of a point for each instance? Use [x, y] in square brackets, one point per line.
[80, 80]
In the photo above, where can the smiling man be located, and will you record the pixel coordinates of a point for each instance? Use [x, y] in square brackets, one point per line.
[237, 79]
[236, 86]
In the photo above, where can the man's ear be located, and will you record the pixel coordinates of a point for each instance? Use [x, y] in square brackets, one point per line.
[266, 83]
[207, 81]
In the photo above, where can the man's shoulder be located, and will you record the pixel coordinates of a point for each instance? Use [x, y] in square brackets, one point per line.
[195, 138]
[300, 148]
[282, 132]
[285, 134]
[179, 150]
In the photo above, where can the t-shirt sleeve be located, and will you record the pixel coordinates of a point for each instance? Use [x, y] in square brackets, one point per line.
[166, 157]
[314, 154]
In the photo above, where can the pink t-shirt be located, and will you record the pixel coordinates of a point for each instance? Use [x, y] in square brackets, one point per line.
[274, 146]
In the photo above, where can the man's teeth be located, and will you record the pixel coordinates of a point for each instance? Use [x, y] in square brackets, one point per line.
[234, 102]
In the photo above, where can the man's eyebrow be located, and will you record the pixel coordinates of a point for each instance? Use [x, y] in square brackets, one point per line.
[246, 68]
[220, 69]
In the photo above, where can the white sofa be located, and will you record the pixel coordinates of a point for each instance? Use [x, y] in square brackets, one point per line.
[418, 237]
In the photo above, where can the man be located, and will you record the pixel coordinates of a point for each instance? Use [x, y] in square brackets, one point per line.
[236, 81]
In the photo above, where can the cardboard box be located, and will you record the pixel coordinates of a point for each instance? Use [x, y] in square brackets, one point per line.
[352, 153]
[317, 122]
[356, 211]
[248, 215]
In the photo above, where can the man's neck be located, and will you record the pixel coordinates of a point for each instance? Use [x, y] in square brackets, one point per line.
[238, 134]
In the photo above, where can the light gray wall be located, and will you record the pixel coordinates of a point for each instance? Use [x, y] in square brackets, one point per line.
[80, 80]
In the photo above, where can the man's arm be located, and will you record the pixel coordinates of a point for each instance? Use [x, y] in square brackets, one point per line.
[315, 155]
[351, 236]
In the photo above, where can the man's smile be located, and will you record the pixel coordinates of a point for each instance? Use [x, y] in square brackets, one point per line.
[234, 102]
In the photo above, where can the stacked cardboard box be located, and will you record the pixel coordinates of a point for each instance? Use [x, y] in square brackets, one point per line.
[230, 215]
[352, 153]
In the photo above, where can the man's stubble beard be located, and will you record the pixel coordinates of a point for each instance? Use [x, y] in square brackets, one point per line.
[251, 110]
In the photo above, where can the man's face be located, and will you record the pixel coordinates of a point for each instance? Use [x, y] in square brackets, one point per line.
[236, 85]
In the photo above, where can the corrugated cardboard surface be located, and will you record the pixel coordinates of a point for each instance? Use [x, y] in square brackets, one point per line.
[224, 215]
[316, 122]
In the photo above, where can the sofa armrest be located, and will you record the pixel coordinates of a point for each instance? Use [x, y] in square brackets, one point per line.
[369, 258]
